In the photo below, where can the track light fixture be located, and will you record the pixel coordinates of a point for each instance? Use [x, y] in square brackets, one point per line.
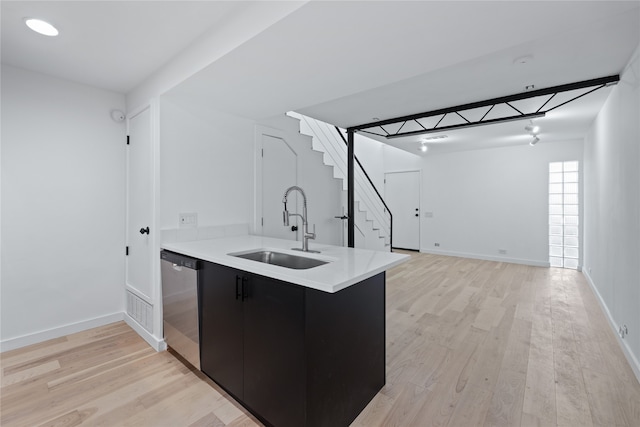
[534, 141]
[532, 129]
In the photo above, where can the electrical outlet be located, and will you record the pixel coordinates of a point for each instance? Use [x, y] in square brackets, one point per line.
[188, 220]
[502, 251]
[436, 244]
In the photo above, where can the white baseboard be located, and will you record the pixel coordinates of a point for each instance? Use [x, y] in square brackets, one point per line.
[631, 358]
[38, 337]
[155, 343]
[531, 262]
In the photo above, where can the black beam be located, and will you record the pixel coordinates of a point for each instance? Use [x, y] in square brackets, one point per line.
[501, 100]
[351, 213]
[468, 125]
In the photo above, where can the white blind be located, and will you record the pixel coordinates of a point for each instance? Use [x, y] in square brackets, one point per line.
[564, 250]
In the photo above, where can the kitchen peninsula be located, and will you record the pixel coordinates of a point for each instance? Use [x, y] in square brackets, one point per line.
[296, 346]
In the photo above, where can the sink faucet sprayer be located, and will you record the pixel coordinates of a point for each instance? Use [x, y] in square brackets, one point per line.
[285, 218]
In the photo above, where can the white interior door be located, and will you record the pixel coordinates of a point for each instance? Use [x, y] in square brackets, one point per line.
[402, 194]
[139, 203]
[279, 171]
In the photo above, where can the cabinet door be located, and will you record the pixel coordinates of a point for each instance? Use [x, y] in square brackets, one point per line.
[274, 365]
[221, 330]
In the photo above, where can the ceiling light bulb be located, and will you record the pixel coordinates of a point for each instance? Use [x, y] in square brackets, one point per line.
[534, 141]
[532, 129]
[41, 27]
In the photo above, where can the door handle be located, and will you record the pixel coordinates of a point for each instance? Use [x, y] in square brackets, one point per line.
[245, 289]
[144, 230]
[238, 294]
[342, 217]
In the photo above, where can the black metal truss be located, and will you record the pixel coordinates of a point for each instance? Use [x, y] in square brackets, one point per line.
[459, 110]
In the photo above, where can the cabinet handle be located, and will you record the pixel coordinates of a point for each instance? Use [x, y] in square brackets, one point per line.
[245, 289]
[238, 294]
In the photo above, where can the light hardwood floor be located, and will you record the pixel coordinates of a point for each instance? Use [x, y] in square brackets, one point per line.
[469, 343]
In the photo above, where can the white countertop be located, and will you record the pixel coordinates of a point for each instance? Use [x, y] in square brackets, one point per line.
[345, 267]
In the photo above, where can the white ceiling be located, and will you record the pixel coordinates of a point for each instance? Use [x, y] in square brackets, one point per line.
[113, 45]
[344, 62]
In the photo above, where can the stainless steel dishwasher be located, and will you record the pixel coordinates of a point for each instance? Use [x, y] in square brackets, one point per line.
[180, 304]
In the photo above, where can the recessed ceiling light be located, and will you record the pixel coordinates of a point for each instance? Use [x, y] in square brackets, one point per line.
[41, 27]
[423, 148]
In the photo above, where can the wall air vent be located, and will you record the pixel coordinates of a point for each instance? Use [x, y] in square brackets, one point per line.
[140, 311]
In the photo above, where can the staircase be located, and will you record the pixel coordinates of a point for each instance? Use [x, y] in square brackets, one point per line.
[372, 219]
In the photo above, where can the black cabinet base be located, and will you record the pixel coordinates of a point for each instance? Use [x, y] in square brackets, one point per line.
[345, 349]
[291, 355]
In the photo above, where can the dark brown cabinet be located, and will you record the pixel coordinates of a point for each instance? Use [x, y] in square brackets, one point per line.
[221, 327]
[274, 351]
[293, 356]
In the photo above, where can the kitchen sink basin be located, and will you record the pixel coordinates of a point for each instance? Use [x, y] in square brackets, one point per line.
[283, 260]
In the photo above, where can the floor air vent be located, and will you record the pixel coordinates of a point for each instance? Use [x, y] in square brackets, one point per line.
[140, 311]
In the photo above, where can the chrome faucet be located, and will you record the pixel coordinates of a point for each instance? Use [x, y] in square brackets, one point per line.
[306, 235]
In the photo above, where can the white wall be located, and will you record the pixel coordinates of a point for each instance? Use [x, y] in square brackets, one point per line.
[63, 207]
[206, 166]
[208, 162]
[396, 160]
[324, 193]
[612, 206]
[378, 159]
[486, 200]
[371, 154]
[251, 20]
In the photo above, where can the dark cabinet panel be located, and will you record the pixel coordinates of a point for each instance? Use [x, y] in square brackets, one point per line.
[293, 356]
[274, 365]
[221, 326]
[345, 348]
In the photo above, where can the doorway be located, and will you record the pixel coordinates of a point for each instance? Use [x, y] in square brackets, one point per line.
[140, 205]
[402, 194]
[279, 172]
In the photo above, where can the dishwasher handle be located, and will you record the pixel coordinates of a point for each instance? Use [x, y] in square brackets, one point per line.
[179, 260]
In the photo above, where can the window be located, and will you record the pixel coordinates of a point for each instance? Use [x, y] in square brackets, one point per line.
[564, 248]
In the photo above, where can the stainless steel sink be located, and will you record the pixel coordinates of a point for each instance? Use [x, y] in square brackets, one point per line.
[283, 260]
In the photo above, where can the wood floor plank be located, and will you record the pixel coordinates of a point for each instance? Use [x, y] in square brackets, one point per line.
[539, 405]
[469, 343]
[471, 408]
